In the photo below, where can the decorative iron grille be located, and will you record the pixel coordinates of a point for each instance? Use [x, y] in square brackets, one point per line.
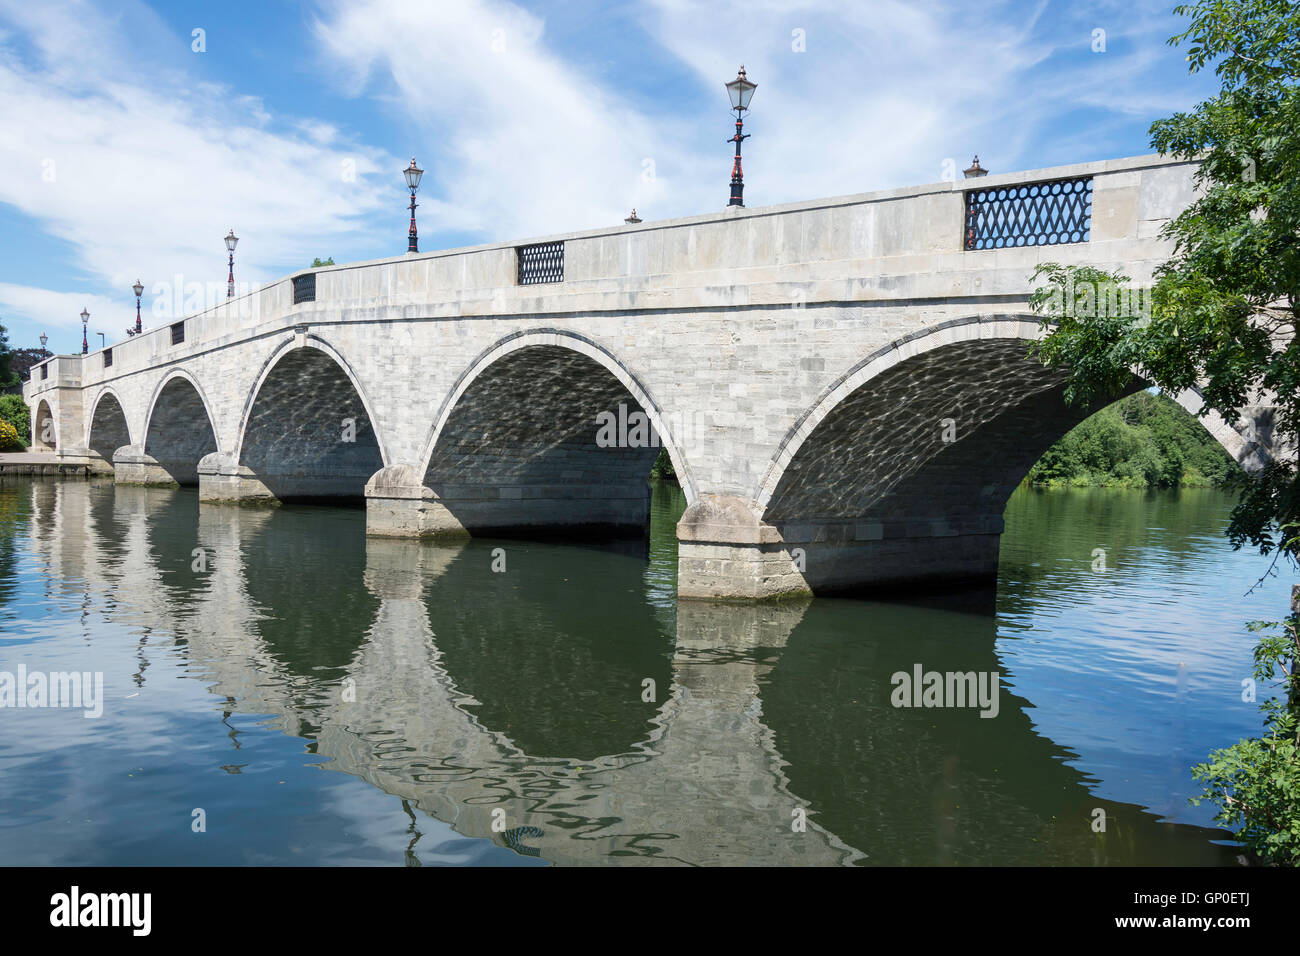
[304, 288]
[178, 333]
[45, 370]
[1029, 214]
[108, 357]
[543, 262]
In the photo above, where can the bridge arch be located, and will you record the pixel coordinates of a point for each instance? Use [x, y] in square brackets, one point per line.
[107, 429]
[576, 342]
[179, 427]
[901, 469]
[44, 433]
[518, 442]
[1007, 337]
[308, 428]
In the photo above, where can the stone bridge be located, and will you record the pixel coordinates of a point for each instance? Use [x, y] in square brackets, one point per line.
[842, 385]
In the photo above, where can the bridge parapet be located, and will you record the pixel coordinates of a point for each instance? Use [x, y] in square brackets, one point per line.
[877, 246]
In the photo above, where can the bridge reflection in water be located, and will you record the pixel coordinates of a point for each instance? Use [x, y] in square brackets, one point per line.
[465, 691]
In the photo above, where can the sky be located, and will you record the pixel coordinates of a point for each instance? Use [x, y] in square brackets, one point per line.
[134, 136]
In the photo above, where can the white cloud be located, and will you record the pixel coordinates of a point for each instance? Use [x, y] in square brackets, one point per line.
[523, 134]
[63, 312]
[526, 144]
[884, 93]
[143, 170]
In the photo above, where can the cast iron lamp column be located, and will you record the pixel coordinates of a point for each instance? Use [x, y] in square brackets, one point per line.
[741, 91]
[231, 240]
[412, 174]
[138, 289]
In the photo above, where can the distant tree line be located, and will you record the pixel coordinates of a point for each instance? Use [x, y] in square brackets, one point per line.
[1143, 441]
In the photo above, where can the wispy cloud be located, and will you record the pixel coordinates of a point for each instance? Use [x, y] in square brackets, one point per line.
[529, 125]
[142, 170]
[525, 142]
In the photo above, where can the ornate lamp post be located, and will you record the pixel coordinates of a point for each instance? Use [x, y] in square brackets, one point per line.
[138, 289]
[740, 90]
[231, 240]
[85, 342]
[412, 174]
[44, 338]
[975, 170]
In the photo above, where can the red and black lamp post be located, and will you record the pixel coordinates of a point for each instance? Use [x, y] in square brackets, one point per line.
[85, 342]
[740, 90]
[412, 174]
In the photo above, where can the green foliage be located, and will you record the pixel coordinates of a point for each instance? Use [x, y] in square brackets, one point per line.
[1225, 309]
[1142, 441]
[7, 374]
[318, 262]
[24, 359]
[663, 466]
[9, 438]
[15, 412]
[1256, 782]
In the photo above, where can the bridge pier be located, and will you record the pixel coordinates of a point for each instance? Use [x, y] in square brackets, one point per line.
[132, 466]
[725, 552]
[222, 479]
[97, 464]
[399, 505]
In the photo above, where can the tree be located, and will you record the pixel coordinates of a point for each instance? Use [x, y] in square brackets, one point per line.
[7, 374]
[318, 262]
[24, 359]
[1225, 312]
[1226, 307]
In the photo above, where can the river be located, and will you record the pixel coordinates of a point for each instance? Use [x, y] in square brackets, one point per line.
[279, 689]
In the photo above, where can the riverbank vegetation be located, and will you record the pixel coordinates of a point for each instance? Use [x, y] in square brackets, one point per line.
[663, 467]
[1143, 441]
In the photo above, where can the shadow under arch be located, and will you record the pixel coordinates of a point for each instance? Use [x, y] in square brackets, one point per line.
[107, 430]
[901, 470]
[179, 429]
[518, 441]
[307, 429]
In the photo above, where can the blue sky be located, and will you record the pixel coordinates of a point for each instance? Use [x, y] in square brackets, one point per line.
[126, 153]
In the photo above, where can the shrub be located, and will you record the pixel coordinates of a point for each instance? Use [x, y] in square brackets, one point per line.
[1256, 782]
[9, 438]
[15, 411]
